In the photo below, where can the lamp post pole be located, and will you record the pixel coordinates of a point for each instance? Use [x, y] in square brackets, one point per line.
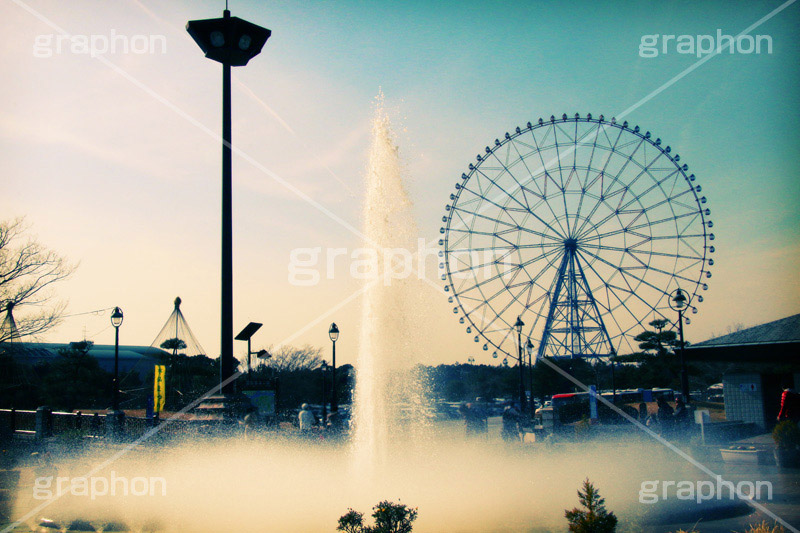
[226, 332]
[116, 321]
[613, 378]
[333, 333]
[519, 324]
[115, 419]
[529, 349]
[324, 402]
[684, 374]
[678, 302]
[232, 42]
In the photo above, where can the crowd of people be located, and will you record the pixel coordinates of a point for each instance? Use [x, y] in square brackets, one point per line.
[666, 420]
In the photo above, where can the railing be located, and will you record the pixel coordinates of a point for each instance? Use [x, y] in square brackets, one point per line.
[24, 423]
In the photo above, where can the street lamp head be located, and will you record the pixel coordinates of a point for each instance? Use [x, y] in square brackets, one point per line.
[116, 317]
[324, 365]
[334, 332]
[228, 40]
[529, 347]
[263, 354]
[519, 324]
[679, 299]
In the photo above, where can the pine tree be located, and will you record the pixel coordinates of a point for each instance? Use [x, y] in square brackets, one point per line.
[593, 518]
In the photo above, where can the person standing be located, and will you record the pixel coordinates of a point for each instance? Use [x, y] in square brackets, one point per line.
[511, 418]
[665, 417]
[306, 418]
[790, 406]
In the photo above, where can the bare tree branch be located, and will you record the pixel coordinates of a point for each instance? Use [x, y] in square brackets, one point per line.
[27, 272]
[289, 358]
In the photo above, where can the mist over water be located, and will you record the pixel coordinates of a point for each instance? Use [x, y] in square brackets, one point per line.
[288, 485]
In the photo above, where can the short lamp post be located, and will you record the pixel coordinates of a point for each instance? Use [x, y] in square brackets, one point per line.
[333, 333]
[116, 321]
[519, 325]
[678, 302]
[115, 419]
[529, 349]
[245, 335]
[324, 399]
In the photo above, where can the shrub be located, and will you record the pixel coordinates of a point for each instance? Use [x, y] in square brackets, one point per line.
[593, 518]
[352, 522]
[389, 518]
[786, 435]
[763, 527]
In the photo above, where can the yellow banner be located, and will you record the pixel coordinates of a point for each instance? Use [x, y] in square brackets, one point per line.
[159, 388]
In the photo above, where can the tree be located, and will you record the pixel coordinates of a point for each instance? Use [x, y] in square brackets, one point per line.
[389, 518]
[593, 518]
[75, 380]
[27, 271]
[173, 344]
[659, 341]
[290, 359]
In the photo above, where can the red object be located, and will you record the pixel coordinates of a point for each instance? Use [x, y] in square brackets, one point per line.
[790, 406]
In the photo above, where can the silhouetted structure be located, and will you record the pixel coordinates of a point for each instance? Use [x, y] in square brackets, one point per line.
[176, 328]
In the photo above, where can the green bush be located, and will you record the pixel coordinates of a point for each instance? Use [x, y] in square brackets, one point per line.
[786, 435]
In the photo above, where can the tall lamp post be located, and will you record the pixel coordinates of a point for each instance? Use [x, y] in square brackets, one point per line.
[529, 349]
[519, 324]
[232, 42]
[677, 302]
[333, 333]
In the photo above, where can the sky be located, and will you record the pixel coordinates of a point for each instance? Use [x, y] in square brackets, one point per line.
[114, 158]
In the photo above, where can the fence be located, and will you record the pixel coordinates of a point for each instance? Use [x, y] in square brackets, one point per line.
[45, 423]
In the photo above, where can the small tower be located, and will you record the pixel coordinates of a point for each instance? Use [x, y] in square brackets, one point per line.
[176, 335]
[8, 329]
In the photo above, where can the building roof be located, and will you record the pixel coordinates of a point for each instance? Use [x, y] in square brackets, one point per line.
[779, 331]
[44, 350]
[774, 341]
[131, 358]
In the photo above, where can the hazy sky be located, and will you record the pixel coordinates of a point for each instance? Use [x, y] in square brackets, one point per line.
[115, 159]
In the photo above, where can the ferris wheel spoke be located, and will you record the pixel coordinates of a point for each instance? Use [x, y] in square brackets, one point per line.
[541, 195]
[513, 177]
[606, 193]
[633, 230]
[561, 176]
[481, 216]
[500, 208]
[547, 177]
[507, 194]
[621, 302]
[626, 273]
[599, 247]
[514, 300]
[657, 184]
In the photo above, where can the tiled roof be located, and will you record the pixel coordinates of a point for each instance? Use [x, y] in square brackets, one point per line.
[780, 331]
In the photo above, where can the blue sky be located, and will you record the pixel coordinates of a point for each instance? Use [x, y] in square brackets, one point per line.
[109, 161]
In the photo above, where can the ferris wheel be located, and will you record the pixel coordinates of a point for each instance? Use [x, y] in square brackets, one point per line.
[580, 228]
